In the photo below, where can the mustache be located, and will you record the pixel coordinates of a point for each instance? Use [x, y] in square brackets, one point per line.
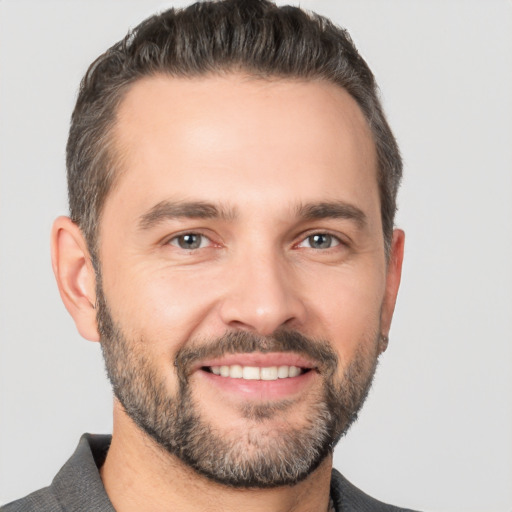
[244, 342]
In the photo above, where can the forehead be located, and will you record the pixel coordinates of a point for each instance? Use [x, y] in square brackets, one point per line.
[213, 137]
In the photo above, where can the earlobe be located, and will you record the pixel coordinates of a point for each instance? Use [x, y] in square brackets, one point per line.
[393, 276]
[75, 275]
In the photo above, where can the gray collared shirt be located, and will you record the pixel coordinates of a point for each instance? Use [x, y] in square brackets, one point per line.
[78, 487]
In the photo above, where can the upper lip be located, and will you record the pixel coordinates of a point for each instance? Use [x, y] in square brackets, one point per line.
[259, 359]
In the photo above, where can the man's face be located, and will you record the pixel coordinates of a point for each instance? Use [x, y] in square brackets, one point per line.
[244, 282]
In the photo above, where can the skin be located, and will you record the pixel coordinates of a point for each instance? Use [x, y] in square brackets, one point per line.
[258, 150]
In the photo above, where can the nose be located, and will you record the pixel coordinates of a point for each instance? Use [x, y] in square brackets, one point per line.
[263, 295]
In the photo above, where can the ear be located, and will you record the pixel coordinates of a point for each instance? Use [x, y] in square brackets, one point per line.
[75, 275]
[393, 275]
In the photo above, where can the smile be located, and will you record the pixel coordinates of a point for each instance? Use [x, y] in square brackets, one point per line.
[257, 376]
[237, 371]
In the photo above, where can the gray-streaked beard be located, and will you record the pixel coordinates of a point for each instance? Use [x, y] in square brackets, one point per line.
[263, 455]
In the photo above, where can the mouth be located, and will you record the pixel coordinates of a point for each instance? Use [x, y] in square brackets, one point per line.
[258, 376]
[258, 366]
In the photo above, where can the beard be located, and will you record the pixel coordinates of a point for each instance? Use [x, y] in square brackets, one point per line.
[269, 452]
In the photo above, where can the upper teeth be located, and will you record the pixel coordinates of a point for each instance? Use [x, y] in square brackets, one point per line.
[236, 371]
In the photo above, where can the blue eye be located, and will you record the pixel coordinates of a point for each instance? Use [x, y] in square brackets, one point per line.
[189, 241]
[320, 241]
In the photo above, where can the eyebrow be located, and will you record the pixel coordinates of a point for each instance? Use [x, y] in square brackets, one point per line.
[169, 210]
[166, 210]
[333, 210]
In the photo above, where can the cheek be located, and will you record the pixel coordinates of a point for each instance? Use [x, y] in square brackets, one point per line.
[347, 306]
[159, 304]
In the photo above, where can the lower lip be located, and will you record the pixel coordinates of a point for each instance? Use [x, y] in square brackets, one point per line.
[260, 389]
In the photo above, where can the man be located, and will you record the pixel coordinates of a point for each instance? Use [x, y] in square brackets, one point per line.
[232, 185]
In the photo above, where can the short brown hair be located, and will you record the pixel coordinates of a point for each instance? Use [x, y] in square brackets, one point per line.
[254, 36]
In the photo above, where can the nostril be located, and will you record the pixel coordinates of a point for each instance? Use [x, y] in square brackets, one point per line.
[237, 324]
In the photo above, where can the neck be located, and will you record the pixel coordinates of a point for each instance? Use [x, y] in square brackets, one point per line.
[140, 476]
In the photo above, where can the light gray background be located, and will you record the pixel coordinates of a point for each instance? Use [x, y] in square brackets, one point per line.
[436, 432]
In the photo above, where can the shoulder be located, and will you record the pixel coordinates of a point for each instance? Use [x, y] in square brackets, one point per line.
[77, 486]
[43, 500]
[348, 497]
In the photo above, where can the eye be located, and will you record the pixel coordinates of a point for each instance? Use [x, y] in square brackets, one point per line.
[190, 241]
[320, 241]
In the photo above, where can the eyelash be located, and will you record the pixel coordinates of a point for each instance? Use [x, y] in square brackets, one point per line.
[174, 241]
[330, 237]
[333, 239]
